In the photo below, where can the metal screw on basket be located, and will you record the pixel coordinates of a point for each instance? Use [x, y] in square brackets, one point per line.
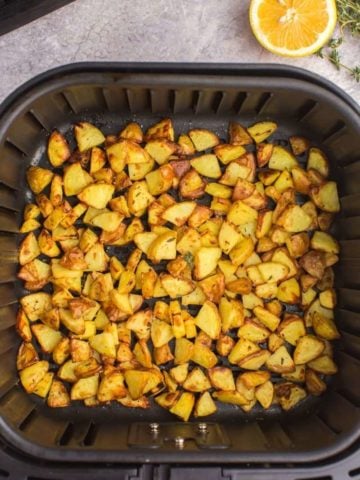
[154, 427]
[202, 427]
[179, 442]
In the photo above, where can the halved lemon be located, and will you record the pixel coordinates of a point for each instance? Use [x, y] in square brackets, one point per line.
[293, 28]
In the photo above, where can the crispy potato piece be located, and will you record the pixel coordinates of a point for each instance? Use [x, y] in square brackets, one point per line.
[47, 337]
[38, 178]
[328, 298]
[203, 356]
[282, 159]
[207, 165]
[58, 149]
[167, 399]
[185, 404]
[238, 135]
[205, 261]
[324, 242]
[160, 180]
[87, 136]
[196, 381]
[208, 319]
[299, 145]
[324, 364]
[313, 262]
[203, 139]
[264, 394]
[308, 347]
[314, 385]
[204, 406]
[325, 197]
[260, 131]
[221, 378]
[227, 153]
[255, 360]
[213, 287]
[160, 150]
[240, 213]
[301, 180]
[26, 356]
[161, 130]
[29, 249]
[289, 291]
[318, 161]
[186, 146]
[180, 373]
[280, 361]
[291, 329]
[179, 213]
[324, 327]
[31, 375]
[85, 388]
[58, 396]
[192, 185]
[263, 153]
[289, 395]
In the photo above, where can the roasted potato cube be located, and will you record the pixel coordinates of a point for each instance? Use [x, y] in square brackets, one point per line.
[324, 364]
[264, 394]
[204, 406]
[58, 396]
[160, 150]
[26, 356]
[314, 385]
[111, 387]
[203, 356]
[160, 180]
[179, 213]
[97, 195]
[299, 145]
[232, 397]
[255, 360]
[203, 139]
[36, 305]
[238, 135]
[87, 136]
[161, 332]
[180, 373]
[242, 348]
[207, 165]
[313, 263]
[192, 185]
[221, 378]
[140, 323]
[167, 399]
[38, 178]
[31, 376]
[209, 320]
[161, 130]
[183, 406]
[289, 395]
[308, 347]
[47, 337]
[205, 261]
[324, 242]
[196, 381]
[163, 247]
[260, 131]
[325, 197]
[270, 320]
[85, 388]
[254, 379]
[324, 327]
[328, 298]
[282, 159]
[280, 361]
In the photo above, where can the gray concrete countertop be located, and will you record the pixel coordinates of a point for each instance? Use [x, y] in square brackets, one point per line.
[144, 30]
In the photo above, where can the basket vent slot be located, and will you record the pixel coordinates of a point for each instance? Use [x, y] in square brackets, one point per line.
[239, 101]
[264, 101]
[90, 437]
[36, 120]
[334, 131]
[67, 435]
[28, 419]
[305, 110]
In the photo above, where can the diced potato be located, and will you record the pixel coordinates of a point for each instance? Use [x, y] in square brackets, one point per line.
[318, 161]
[209, 320]
[260, 131]
[325, 196]
[282, 159]
[167, 400]
[87, 136]
[47, 337]
[273, 271]
[85, 388]
[280, 361]
[203, 139]
[205, 261]
[207, 165]
[324, 327]
[289, 291]
[314, 384]
[196, 381]
[31, 376]
[204, 406]
[240, 213]
[238, 134]
[289, 395]
[180, 373]
[324, 242]
[264, 394]
[221, 378]
[299, 145]
[185, 404]
[38, 178]
[324, 364]
[179, 213]
[160, 150]
[255, 360]
[26, 356]
[291, 329]
[58, 396]
[161, 130]
[308, 347]
[328, 298]
[203, 356]
[97, 195]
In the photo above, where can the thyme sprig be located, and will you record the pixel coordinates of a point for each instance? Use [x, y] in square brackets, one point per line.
[349, 21]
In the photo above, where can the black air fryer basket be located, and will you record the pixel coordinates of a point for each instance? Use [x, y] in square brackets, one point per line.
[318, 439]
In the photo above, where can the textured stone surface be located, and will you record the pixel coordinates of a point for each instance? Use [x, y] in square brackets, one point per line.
[144, 30]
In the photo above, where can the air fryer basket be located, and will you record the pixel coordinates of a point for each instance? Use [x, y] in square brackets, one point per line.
[110, 95]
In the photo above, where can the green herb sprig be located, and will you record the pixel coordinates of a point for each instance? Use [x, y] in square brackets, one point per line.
[349, 21]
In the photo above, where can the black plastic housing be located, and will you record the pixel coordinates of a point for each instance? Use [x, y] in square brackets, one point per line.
[109, 95]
